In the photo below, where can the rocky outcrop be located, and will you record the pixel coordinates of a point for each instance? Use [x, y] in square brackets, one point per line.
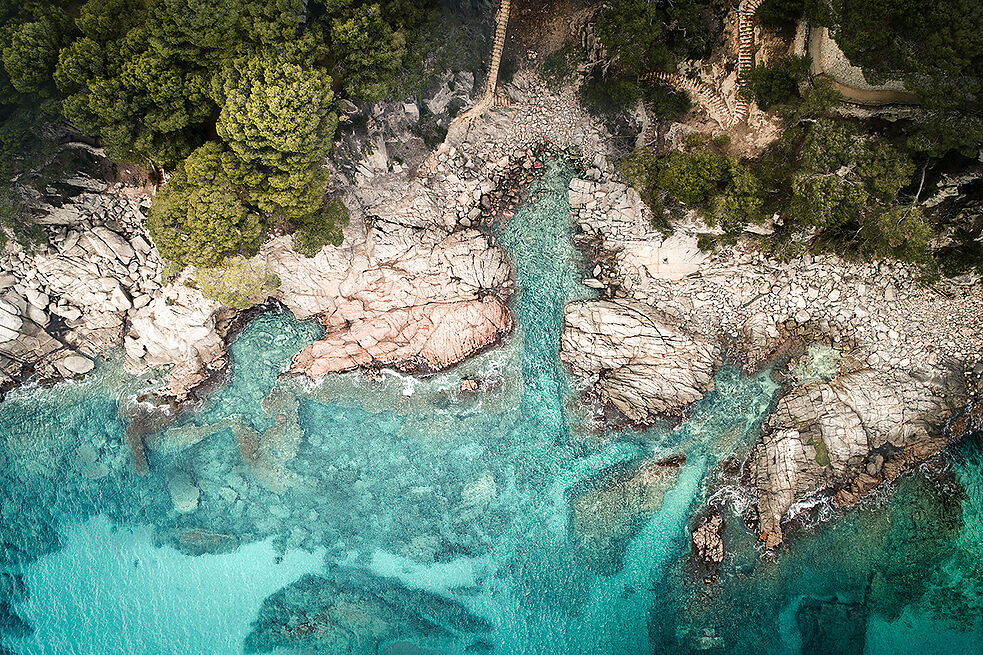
[415, 297]
[826, 435]
[643, 363]
[708, 544]
[178, 327]
[903, 343]
[608, 509]
[67, 299]
[394, 267]
[422, 338]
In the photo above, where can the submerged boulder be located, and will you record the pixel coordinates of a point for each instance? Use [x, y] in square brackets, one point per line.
[608, 509]
[184, 492]
[350, 612]
[832, 627]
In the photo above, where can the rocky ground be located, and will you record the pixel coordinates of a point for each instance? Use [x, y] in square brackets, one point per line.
[412, 287]
[908, 353]
[64, 303]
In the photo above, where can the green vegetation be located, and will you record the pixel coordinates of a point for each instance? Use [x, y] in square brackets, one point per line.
[722, 188]
[650, 36]
[935, 48]
[644, 37]
[769, 86]
[841, 187]
[237, 97]
[197, 218]
[779, 14]
[822, 452]
[237, 283]
[321, 229]
[558, 67]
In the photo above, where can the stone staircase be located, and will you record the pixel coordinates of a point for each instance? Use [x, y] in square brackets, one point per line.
[699, 91]
[488, 97]
[498, 47]
[745, 52]
[710, 98]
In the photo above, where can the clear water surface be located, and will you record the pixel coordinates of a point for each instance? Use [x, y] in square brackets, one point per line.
[401, 515]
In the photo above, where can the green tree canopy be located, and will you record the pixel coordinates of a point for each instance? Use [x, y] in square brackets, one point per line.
[276, 119]
[366, 52]
[645, 36]
[197, 217]
[31, 52]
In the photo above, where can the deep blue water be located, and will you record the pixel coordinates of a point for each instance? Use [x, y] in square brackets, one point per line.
[400, 515]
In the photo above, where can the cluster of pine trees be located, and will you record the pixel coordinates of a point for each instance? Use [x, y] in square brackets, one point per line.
[235, 97]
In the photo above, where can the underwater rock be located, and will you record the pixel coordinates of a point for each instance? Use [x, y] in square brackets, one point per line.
[198, 542]
[607, 510]
[350, 612]
[267, 454]
[184, 493]
[832, 627]
[646, 364]
[420, 338]
[11, 624]
[180, 437]
[12, 586]
[820, 435]
[480, 492]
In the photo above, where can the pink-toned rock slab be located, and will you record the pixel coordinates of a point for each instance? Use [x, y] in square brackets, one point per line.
[428, 337]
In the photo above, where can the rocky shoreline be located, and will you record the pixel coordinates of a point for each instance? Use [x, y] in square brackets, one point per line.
[416, 286]
[907, 355]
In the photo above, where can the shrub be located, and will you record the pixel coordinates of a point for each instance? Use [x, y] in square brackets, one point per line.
[768, 86]
[558, 67]
[777, 14]
[238, 282]
[666, 101]
[321, 229]
[692, 178]
[606, 96]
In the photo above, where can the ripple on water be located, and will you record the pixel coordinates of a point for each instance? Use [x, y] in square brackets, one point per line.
[401, 486]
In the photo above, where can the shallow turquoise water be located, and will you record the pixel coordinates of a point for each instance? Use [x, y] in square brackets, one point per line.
[404, 502]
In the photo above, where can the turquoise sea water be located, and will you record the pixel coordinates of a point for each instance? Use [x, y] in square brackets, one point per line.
[401, 515]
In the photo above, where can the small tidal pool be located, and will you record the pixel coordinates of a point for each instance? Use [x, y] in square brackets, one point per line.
[404, 516]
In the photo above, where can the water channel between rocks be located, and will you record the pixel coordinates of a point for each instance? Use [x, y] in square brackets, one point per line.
[393, 516]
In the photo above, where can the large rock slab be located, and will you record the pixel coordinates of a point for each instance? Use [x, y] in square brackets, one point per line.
[644, 363]
[415, 298]
[822, 436]
[422, 338]
[395, 267]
